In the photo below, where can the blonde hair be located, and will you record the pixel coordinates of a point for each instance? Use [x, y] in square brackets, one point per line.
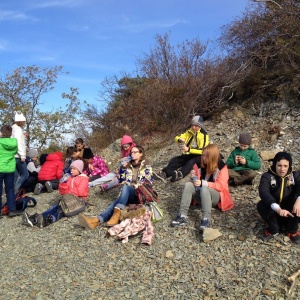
[212, 153]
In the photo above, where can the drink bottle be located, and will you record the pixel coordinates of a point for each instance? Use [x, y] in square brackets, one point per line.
[65, 177]
[125, 160]
[194, 178]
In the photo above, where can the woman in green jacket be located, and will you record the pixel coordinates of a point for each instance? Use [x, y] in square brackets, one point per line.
[8, 150]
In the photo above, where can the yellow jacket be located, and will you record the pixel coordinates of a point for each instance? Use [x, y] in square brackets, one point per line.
[202, 139]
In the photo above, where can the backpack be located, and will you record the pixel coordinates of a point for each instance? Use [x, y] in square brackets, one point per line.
[71, 205]
[22, 202]
[157, 213]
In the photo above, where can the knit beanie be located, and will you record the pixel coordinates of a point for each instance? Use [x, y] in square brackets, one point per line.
[87, 153]
[19, 117]
[32, 153]
[245, 139]
[282, 155]
[78, 164]
[197, 120]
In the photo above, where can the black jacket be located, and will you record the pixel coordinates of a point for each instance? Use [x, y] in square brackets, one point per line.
[281, 190]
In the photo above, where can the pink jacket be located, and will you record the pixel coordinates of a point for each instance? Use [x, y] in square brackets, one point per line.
[126, 139]
[131, 227]
[100, 167]
[78, 186]
[220, 184]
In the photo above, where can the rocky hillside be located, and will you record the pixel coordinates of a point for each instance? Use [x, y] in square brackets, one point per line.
[63, 261]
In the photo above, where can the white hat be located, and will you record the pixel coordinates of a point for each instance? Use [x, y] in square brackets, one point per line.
[19, 117]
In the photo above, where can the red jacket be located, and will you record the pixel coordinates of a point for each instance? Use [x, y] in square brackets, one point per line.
[52, 169]
[78, 186]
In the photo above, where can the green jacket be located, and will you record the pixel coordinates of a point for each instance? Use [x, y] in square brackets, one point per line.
[253, 161]
[8, 150]
[202, 139]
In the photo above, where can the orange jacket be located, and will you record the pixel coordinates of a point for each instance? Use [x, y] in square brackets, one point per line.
[78, 186]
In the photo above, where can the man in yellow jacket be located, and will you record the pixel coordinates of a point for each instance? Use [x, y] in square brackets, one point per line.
[192, 143]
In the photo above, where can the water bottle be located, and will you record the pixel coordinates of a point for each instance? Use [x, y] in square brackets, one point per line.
[124, 160]
[194, 178]
[65, 178]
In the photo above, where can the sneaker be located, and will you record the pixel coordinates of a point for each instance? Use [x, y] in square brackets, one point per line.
[176, 175]
[231, 182]
[267, 235]
[295, 237]
[179, 221]
[38, 189]
[25, 220]
[103, 188]
[40, 221]
[161, 175]
[14, 213]
[204, 224]
[48, 186]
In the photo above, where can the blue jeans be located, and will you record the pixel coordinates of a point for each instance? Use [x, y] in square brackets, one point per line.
[53, 211]
[21, 170]
[9, 183]
[127, 196]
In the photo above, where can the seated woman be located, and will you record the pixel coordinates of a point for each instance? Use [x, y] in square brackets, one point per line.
[76, 185]
[210, 187]
[94, 166]
[134, 173]
[50, 173]
[126, 146]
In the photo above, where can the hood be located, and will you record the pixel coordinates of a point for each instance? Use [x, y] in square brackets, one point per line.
[126, 139]
[279, 156]
[8, 143]
[54, 156]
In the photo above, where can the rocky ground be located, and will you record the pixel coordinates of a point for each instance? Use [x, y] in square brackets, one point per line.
[64, 261]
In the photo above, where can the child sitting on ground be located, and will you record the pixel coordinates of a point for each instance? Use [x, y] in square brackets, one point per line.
[242, 162]
[126, 145]
[76, 185]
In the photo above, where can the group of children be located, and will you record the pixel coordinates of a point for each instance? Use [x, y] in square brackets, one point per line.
[210, 178]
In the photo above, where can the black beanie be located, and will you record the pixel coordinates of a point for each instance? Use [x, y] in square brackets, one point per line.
[87, 153]
[245, 139]
[282, 155]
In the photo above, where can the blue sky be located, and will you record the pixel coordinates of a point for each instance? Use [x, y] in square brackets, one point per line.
[94, 39]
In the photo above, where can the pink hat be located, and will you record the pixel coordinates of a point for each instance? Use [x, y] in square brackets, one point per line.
[78, 164]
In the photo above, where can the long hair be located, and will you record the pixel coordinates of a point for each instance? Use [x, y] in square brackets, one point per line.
[212, 154]
[141, 150]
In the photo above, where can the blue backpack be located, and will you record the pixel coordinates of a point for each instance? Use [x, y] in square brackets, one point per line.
[22, 201]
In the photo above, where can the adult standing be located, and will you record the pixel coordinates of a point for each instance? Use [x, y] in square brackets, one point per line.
[8, 149]
[21, 173]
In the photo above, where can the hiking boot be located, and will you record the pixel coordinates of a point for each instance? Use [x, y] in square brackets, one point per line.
[25, 220]
[266, 236]
[14, 213]
[204, 224]
[295, 237]
[48, 186]
[179, 221]
[115, 218]
[161, 175]
[176, 175]
[38, 189]
[88, 223]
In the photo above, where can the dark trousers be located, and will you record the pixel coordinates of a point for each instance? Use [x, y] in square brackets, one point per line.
[242, 176]
[275, 222]
[185, 162]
